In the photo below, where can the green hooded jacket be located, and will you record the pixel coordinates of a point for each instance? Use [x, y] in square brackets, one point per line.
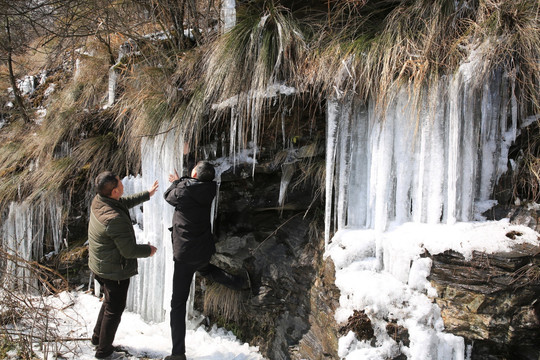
[113, 250]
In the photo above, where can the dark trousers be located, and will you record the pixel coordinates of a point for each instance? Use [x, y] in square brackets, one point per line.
[182, 277]
[114, 303]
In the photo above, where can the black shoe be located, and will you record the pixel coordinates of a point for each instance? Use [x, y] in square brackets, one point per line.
[114, 356]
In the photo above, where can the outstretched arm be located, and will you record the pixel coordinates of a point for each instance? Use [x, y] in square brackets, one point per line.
[172, 194]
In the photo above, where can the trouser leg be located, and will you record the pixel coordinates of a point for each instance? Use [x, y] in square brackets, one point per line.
[222, 277]
[97, 328]
[182, 277]
[110, 314]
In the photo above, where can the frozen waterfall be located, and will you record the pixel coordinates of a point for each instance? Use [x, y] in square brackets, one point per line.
[150, 291]
[434, 164]
[27, 229]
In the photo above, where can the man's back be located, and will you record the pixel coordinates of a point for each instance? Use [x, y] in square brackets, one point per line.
[193, 242]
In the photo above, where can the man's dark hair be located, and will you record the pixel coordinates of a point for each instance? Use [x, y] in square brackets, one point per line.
[106, 182]
[205, 171]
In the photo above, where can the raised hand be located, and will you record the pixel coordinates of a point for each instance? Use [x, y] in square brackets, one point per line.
[174, 177]
[153, 188]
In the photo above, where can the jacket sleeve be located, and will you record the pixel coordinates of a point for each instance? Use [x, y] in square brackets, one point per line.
[173, 194]
[124, 241]
[134, 200]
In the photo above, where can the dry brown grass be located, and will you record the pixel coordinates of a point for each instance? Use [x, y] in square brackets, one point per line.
[366, 49]
[220, 301]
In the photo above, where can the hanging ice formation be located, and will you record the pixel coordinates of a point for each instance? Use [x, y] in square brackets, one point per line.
[228, 14]
[24, 231]
[125, 49]
[150, 291]
[437, 164]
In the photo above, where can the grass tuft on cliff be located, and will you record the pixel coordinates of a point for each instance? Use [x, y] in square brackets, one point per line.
[366, 49]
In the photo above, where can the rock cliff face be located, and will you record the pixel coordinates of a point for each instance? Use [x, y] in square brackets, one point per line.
[321, 341]
[490, 300]
[280, 246]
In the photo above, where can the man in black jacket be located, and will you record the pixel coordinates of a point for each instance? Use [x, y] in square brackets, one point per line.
[193, 245]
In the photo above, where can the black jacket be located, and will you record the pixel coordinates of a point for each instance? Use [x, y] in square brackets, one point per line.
[193, 242]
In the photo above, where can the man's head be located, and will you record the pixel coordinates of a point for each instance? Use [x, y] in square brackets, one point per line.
[108, 184]
[204, 171]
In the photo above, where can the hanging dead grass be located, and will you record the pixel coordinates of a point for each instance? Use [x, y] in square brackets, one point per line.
[220, 301]
[76, 137]
[264, 48]
[146, 103]
[367, 49]
[371, 49]
[512, 31]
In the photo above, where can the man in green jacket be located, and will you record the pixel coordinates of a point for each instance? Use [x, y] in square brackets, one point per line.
[113, 254]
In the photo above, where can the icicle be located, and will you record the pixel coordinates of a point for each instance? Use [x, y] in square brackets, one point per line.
[150, 291]
[220, 167]
[342, 166]
[453, 149]
[113, 78]
[331, 141]
[193, 318]
[509, 134]
[124, 50]
[433, 175]
[282, 128]
[359, 165]
[55, 220]
[228, 14]
[405, 145]
[435, 163]
[254, 137]
[232, 134]
[18, 240]
[287, 172]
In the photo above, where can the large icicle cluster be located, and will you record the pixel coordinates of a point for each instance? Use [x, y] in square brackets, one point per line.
[431, 164]
[150, 291]
[429, 158]
[23, 233]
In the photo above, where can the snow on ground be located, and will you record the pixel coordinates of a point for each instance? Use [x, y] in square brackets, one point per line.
[398, 292]
[140, 339]
[401, 292]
